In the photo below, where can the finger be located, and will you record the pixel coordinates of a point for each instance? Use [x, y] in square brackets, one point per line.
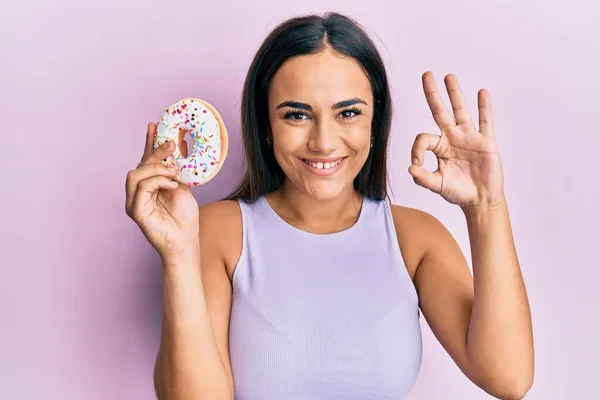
[163, 151]
[423, 143]
[484, 102]
[146, 189]
[459, 104]
[150, 133]
[440, 113]
[144, 172]
[426, 179]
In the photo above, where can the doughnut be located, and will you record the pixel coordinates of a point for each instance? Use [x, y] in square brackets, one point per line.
[209, 135]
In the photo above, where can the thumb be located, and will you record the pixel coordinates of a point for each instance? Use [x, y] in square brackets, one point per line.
[163, 151]
[426, 179]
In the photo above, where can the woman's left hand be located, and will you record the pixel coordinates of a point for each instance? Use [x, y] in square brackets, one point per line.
[469, 170]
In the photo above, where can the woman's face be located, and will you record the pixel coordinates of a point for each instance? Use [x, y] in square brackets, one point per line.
[320, 111]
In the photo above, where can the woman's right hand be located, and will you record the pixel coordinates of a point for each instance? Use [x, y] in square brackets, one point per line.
[164, 209]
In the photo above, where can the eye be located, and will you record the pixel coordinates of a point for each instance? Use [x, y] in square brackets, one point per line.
[295, 115]
[350, 113]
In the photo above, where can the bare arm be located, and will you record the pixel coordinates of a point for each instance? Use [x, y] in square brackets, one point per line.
[193, 361]
[500, 338]
[483, 321]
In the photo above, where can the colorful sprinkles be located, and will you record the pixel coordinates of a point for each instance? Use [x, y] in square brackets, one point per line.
[193, 117]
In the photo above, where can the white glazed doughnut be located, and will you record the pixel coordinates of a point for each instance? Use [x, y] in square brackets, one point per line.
[207, 130]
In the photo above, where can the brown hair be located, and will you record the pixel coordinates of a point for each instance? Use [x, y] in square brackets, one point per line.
[307, 35]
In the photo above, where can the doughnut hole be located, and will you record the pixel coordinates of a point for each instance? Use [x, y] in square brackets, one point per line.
[186, 144]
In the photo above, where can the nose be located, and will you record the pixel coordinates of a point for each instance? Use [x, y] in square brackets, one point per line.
[323, 138]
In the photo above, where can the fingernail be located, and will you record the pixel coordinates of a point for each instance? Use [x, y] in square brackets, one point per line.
[166, 144]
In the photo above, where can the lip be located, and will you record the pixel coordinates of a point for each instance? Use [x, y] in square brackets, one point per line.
[323, 160]
[322, 172]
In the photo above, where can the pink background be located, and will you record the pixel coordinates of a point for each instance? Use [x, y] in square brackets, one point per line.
[80, 293]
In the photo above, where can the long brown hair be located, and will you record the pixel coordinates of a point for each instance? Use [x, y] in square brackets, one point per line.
[306, 35]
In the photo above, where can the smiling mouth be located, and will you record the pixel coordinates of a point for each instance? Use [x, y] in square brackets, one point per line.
[323, 165]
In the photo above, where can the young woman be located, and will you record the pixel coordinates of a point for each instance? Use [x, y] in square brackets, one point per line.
[306, 282]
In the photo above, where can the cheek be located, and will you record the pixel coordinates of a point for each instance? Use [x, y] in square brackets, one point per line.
[358, 137]
[289, 138]
[283, 153]
[286, 143]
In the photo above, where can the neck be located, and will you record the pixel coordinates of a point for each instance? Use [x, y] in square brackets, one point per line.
[302, 209]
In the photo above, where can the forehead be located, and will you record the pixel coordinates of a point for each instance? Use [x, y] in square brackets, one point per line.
[322, 78]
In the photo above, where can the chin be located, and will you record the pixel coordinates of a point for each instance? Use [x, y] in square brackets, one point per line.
[326, 191]
[320, 188]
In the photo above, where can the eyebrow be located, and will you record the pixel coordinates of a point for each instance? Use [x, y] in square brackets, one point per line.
[305, 106]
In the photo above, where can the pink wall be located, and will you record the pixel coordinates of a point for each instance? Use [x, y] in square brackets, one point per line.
[80, 293]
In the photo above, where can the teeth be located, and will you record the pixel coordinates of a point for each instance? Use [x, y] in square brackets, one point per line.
[320, 165]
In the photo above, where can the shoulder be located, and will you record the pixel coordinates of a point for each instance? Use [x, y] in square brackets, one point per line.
[219, 216]
[416, 230]
[413, 216]
[221, 232]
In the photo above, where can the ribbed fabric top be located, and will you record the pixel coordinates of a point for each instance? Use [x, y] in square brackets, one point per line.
[322, 316]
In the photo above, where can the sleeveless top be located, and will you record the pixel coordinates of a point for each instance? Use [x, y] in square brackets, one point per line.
[322, 316]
